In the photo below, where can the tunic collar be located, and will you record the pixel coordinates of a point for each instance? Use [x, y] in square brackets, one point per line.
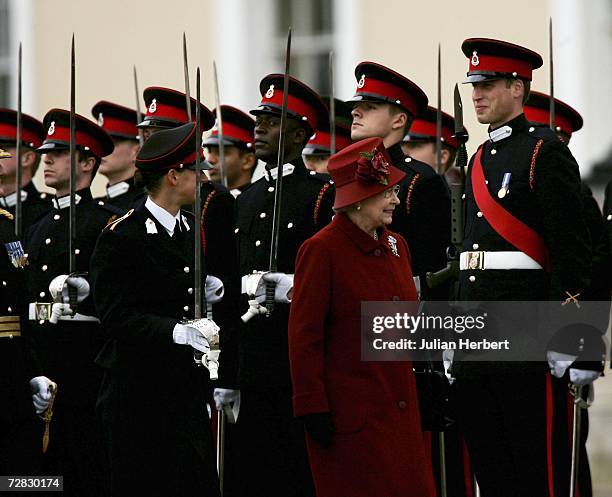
[83, 195]
[514, 126]
[359, 237]
[113, 191]
[11, 199]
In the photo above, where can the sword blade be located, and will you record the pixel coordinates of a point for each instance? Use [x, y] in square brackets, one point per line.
[186, 71]
[18, 170]
[220, 128]
[72, 222]
[138, 113]
[551, 75]
[332, 106]
[439, 116]
[198, 208]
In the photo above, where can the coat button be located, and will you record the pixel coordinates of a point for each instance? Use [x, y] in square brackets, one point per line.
[609, 217]
[186, 269]
[395, 298]
[531, 129]
[475, 246]
[56, 217]
[186, 308]
[4, 283]
[479, 214]
[258, 243]
[312, 173]
[402, 404]
[377, 252]
[472, 278]
[262, 215]
[236, 230]
[290, 225]
[270, 189]
[77, 251]
[190, 291]
[493, 152]
[41, 294]
[463, 197]
[408, 159]
[100, 202]
[47, 241]
[9, 309]
[44, 268]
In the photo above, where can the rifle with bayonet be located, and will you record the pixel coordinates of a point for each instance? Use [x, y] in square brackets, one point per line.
[138, 114]
[451, 271]
[18, 170]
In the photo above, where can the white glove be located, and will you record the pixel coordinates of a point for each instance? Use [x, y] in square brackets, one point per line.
[211, 361]
[254, 285]
[59, 310]
[229, 401]
[58, 288]
[214, 289]
[447, 359]
[581, 377]
[199, 334]
[41, 392]
[558, 362]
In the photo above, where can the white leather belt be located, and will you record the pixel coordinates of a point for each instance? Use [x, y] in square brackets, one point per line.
[469, 261]
[41, 311]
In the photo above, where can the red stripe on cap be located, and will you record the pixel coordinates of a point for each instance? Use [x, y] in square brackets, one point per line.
[294, 104]
[428, 128]
[323, 139]
[388, 91]
[542, 116]
[62, 133]
[501, 64]
[114, 125]
[235, 133]
[9, 132]
[164, 111]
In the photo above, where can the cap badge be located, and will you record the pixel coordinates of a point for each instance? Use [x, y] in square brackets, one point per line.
[361, 82]
[270, 92]
[100, 119]
[153, 106]
[51, 128]
[475, 59]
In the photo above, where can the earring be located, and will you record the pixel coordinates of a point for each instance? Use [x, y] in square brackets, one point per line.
[358, 207]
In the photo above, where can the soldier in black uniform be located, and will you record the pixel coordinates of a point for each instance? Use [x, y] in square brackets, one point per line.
[317, 151]
[385, 104]
[525, 240]
[153, 398]
[67, 340]
[34, 203]
[120, 123]
[273, 459]
[239, 150]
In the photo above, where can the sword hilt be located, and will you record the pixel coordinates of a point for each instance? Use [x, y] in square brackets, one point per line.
[270, 290]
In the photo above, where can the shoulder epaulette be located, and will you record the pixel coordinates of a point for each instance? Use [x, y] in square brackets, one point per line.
[112, 223]
[6, 214]
[319, 177]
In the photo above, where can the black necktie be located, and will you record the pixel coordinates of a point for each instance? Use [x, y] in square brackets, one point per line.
[177, 230]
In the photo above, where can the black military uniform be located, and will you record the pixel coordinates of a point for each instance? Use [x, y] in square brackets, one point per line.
[67, 349]
[153, 399]
[423, 216]
[33, 203]
[272, 446]
[20, 430]
[505, 408]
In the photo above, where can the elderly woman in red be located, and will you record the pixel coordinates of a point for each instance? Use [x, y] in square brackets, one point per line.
[363, 426]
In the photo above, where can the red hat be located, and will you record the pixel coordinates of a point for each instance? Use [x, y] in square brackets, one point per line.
[423, 128]
[118, 121]
[89, 136]
[167, 149]
[378, 83]
[495, 59]
[303, 103]
[32, 131]
[238, 129]
[537, 110]
[361, 171]
[320, 143]
[166, 108]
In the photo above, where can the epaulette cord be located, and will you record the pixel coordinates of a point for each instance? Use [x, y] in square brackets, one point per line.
[315, 214]
[209, 197]
[410, 189]
[6, 213]
[534, 157]
[112, 223]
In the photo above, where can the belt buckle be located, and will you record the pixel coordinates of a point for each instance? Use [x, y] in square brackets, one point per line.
[475, 260]
[42, 311]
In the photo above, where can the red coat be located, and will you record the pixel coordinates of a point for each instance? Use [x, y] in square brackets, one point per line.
[378, 447]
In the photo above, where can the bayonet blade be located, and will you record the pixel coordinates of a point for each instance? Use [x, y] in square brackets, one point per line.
[198, 207]
[220, 128]
[186, 71]
[18, 170]
[551, 75]
[439, 116]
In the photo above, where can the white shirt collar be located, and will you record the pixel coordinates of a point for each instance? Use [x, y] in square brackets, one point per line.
[117, 189]
[63, 202]
[235, 192]
[167, 220]
[500, 133]
[11, 200]
[272, 174]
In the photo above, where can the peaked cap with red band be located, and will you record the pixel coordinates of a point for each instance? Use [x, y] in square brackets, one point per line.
[170, 149]
[89, 136]
[537, 110]
[320, 143]
[362, 170]
[118, 121]
[303, 103]
[32, 131]
[238, 129]
[166, 108]
[378, 83]
[495, 59]
[423, 128]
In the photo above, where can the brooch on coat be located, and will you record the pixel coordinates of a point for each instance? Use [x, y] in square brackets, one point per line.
[393, 245]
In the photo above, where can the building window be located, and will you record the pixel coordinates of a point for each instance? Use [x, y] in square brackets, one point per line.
[312, 39]
[5, 56]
